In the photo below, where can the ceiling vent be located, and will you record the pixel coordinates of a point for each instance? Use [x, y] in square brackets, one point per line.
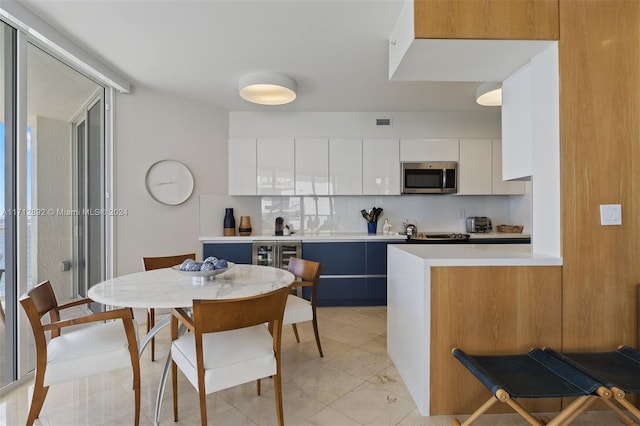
[384, 122]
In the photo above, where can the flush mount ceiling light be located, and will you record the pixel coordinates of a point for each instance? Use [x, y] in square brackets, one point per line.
[268, 88]
[489, 94]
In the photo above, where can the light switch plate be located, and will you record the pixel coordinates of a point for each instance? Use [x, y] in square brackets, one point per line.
[610, 214]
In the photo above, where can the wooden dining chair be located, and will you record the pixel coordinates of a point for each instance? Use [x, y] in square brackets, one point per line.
[229, 344]
[80, 352]
[160, 262]
[299, 309]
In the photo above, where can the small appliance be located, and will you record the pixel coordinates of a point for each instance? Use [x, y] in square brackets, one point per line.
[477, 224]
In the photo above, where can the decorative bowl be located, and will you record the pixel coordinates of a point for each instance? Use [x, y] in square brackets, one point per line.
[203, 274]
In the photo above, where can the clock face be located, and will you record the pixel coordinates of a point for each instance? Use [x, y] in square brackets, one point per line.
[169, 182]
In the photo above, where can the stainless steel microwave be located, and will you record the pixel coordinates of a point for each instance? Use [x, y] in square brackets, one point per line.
[429, 178]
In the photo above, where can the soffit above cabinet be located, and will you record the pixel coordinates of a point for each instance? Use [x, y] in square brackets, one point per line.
[412, 59]
[461, 60]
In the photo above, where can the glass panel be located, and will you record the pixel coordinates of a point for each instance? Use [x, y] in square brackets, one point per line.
[95, 198]
[56, 95]
[8, 298]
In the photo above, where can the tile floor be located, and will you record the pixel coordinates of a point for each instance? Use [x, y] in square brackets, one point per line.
[354, 384]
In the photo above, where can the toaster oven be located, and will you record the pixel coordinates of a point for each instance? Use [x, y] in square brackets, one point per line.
[478, 224]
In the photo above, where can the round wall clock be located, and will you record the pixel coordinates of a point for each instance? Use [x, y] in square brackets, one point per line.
[169, 182]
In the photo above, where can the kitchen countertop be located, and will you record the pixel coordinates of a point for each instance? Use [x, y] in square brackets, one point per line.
[333, 236]
[345, 236]
[477, 255]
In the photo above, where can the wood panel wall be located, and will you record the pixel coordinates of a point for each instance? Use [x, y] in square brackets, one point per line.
[599, 58]
[489, 310]
[487, 19]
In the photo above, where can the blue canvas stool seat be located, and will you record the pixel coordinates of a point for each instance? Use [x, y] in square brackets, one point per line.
[618, 370]
[537, 374]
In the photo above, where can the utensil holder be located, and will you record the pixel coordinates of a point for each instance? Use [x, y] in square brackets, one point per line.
[372, 227]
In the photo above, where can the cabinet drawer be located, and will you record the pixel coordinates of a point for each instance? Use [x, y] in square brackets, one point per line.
[342, 291]
[234, 252]
[346, 258]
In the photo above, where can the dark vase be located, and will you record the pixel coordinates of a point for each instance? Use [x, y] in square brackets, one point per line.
[229, 223]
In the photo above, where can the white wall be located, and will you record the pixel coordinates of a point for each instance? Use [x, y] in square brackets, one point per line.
[481, 124]
[152, 126]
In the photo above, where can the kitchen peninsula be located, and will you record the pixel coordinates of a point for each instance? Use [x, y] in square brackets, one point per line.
[485, 299]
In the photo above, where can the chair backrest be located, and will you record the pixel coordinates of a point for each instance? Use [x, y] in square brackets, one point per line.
[213, 315]
[160, 262]
[38, 302]
[306, 269]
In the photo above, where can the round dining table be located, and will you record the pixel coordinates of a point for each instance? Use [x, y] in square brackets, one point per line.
[171, 288]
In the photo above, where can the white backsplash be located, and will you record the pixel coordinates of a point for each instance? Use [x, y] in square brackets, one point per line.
[342, 214]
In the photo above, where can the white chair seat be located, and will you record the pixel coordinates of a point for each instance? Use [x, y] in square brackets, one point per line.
[89, 350]
[230, 357]
[297, 310]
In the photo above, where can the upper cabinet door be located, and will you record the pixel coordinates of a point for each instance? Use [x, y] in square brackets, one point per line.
[275, 166]
[475, 168]
[345, 166]
[503, 187]
[312, 166]
[241, 166]
[380, 166]
[487, 19]
[422, 149]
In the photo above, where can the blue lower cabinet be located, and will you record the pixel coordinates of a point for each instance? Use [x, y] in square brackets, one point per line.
[377, 291]
[348, 258]
[353, 273]
[342, 292]
[376, 253]
[233, 252]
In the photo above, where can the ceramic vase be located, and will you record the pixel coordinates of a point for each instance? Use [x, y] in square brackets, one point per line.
[229, 223]
[245, 226]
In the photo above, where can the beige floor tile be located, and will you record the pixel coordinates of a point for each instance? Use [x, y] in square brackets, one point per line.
[360, 363]
[371, 405]
[329, 417]
[323, 382]
[350, 335]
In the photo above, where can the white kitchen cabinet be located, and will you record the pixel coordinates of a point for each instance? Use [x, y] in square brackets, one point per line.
[424, 149]
[312, 166]
[275, 166]
[475, 169]
[480, 169]
[241, 166]
[380, 166]
[345, 166]
[500, 186]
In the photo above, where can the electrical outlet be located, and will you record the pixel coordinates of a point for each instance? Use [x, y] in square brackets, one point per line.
[461, 214]
[610, 214]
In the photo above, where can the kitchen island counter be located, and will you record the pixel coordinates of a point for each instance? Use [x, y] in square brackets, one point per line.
[473, 254]
[483, 298]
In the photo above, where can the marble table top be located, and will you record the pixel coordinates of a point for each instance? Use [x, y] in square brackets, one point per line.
[170, 288]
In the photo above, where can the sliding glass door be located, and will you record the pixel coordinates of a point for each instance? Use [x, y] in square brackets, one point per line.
[52, 156]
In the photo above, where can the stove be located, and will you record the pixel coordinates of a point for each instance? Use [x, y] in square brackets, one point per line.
[448, 237]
